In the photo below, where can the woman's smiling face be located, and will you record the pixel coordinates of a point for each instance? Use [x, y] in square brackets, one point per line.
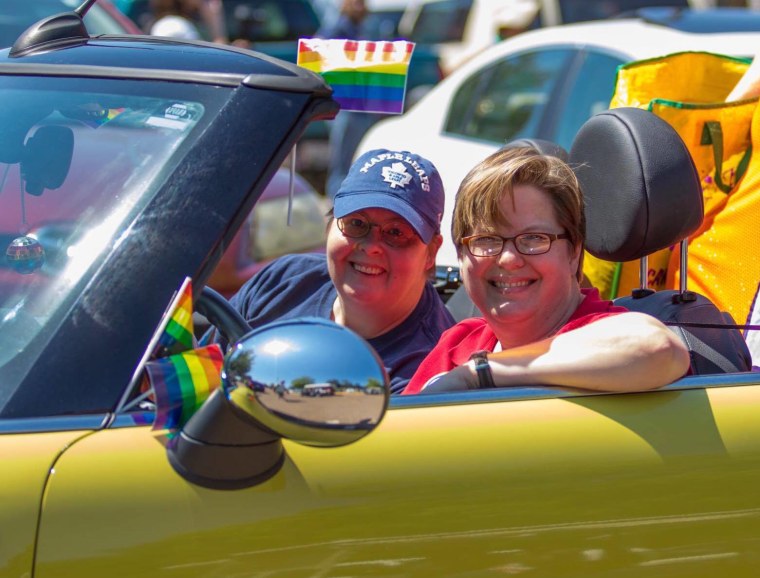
[367, 271]
[524, 297]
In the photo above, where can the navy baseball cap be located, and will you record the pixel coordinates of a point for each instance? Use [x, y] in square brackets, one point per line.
[398, 181]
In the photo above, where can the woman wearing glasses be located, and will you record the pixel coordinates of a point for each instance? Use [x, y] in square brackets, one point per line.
[382, 240]
[519, 227]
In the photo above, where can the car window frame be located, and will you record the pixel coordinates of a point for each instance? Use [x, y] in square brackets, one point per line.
[543, 392]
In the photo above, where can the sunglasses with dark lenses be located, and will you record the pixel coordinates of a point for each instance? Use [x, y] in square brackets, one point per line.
[393, 233]
[525, 243]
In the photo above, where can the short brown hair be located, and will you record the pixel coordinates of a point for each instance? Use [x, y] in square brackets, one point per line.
[479, 195]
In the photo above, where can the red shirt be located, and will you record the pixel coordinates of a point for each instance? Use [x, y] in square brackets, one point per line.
[459, 342]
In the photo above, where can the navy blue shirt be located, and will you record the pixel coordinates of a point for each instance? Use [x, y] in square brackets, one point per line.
[300, 286]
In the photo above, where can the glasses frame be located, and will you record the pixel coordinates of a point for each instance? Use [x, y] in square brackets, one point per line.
[414, 237]
[552, 237]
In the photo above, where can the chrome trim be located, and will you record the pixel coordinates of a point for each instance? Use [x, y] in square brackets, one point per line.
[91, 71]
[500, 394]
[53, 424]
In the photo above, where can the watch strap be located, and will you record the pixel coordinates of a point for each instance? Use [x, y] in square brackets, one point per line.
[483, 369]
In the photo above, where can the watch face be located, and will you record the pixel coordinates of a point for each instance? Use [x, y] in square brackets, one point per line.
[480, 357]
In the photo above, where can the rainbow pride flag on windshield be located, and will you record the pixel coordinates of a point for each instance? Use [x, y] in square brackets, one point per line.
[182, 382]
[365, 75]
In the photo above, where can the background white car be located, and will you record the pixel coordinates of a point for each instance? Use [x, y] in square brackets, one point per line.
[540, 84]
[460, 29]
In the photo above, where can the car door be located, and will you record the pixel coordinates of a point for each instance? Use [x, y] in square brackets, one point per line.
[522, 480]
[22, 485]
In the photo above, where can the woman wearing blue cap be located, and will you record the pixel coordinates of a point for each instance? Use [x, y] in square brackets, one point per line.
[374, 278]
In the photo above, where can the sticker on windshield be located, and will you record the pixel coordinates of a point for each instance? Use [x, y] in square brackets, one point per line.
[175, 115]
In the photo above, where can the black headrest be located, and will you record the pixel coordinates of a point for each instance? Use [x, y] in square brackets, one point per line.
[640, 185]
[545, 147]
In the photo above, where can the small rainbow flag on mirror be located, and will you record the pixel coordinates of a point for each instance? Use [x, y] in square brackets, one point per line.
[178, 334]
[182, 382]
[365, 75]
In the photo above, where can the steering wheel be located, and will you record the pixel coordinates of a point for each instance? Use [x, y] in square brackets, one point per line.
[222, 315]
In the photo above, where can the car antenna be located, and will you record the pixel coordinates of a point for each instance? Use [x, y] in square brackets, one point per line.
[292, 184]
[60, 29]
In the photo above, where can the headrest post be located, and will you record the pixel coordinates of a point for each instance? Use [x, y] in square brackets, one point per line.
[683, 247]
[684, 295]
[643, 271]
[643, 290]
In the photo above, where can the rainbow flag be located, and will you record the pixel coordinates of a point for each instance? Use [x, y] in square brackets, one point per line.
[182, 382]
[178, 333]
[365, 75]
[98, 118]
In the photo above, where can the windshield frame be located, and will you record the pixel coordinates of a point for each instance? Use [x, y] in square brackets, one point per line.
[83, 364]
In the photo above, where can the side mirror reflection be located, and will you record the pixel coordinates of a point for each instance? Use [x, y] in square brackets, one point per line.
[308, 379]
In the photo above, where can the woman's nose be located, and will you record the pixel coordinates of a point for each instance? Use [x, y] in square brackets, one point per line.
[510, 257]
[372, 241]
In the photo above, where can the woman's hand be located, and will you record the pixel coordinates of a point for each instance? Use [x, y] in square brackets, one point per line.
[458, 379]
[748, 85]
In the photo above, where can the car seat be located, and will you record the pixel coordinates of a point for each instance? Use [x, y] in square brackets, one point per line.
[643, 194]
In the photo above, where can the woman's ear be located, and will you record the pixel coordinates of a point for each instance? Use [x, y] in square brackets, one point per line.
[576, 262]
[432, 250]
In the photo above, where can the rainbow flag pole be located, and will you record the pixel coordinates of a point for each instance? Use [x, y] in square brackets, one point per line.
[173, 335]
[365, 75]
[177, 334]
[177, 378]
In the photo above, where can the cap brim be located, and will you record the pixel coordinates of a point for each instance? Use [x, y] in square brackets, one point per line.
[347, 203]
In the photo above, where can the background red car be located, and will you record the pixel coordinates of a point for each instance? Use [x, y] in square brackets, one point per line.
[266, 236]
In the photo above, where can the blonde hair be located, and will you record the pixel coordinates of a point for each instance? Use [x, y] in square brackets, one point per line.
[478, 199]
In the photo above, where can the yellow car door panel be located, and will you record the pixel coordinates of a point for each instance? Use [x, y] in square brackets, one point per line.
[662, 483]
[22, 486]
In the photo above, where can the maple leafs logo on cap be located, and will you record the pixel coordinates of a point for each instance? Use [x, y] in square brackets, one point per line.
[396, 175]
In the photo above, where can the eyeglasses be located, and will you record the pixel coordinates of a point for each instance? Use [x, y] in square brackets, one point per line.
[397, 234]
[525, 243]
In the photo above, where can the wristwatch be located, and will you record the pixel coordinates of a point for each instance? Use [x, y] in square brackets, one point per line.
[482, 368]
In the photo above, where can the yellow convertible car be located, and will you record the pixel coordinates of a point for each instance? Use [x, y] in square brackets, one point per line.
[127, 164]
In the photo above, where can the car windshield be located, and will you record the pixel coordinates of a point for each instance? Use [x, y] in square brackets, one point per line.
[17, 15]
[383, 24]
[78, 160]
[583, 10]
[269, 21]
[442, 21]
